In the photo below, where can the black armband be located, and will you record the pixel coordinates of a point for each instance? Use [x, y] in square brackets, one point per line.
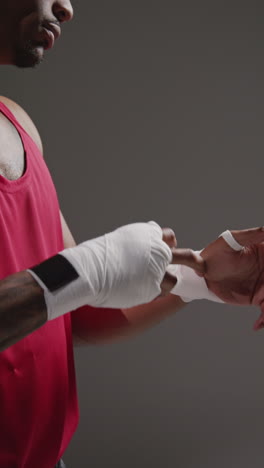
[55, 272]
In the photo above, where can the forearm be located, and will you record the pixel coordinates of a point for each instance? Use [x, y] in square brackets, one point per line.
[22, 308]
[102, 326]
[145, 316]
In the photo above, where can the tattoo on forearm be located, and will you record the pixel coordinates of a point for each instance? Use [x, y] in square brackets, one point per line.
[22, 308]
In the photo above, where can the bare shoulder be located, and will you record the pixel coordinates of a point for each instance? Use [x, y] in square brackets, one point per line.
[24, 119]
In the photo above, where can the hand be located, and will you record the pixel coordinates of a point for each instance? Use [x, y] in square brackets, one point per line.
[237, 277]
[181, 257]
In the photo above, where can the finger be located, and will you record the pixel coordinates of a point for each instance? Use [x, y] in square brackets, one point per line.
[169, 237]
[247, 237]
[188, 258]
[259, 324]
[260, 321]
[168, 283]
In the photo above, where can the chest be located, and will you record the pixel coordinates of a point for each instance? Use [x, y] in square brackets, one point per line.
[12, 158]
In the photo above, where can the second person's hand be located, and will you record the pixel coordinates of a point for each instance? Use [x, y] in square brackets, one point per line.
[237, 277]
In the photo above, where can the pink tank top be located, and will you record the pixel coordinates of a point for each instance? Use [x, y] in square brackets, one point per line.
[38, 401]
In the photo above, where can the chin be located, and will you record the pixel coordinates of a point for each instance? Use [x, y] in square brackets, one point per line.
[29, 57]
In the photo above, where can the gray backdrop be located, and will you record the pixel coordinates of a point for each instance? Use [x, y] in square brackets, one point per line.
[156, 112]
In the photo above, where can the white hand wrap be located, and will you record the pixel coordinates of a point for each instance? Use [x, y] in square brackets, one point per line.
[189, 285]
[121, 269]
[231, 241]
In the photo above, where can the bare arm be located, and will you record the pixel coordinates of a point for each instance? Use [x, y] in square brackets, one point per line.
[102, 326]
[22, 308]
[147, 315]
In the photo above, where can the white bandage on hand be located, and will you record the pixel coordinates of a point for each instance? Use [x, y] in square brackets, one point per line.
[121, 269]
[231, 241]
[189, 285]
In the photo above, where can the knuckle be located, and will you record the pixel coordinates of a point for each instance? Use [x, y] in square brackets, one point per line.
[190, 254]
[194, 256]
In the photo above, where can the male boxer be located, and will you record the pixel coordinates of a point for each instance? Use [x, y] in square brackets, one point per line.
[108, 284]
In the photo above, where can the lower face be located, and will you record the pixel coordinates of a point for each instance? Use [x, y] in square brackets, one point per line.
[29, 44]
[29, 55]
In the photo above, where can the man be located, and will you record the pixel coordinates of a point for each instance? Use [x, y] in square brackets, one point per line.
[119, 274]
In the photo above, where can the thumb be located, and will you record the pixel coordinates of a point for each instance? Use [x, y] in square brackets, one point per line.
[188, 258]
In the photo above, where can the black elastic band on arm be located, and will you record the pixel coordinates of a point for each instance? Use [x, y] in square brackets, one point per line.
[56, 272]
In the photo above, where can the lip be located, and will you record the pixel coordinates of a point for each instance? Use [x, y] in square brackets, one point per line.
[49, 39]
[52, 32]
